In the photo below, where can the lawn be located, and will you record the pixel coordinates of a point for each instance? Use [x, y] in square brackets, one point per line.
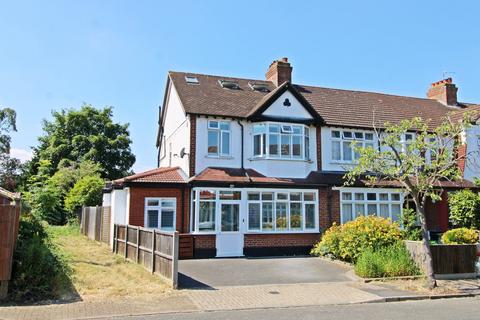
[100, 274]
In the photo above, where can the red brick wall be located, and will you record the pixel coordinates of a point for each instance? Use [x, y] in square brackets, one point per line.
[137, 204]
[193, 144]
[205, 241]
[281, 240]
[329, 207]
[461, 152]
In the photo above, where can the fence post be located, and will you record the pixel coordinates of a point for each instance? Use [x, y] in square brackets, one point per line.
[153, 250]
[126, 241]
[175, 249]
[114, 238]
[138, 243]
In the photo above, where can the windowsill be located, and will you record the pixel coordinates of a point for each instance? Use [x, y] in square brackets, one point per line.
[279, 159]
[342, 162]
[219, 157]
[283, 232]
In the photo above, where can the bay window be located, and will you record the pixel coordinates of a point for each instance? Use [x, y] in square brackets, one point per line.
[344, 143]
[360, 202]
[218, 138]
[283, 141]
[160, 213]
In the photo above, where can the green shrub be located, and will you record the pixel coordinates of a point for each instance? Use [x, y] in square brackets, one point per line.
[39, 272]
[348, 241]
[411, 229]
[86, 192]
[391, 261]
[460, 236]
[465, 209]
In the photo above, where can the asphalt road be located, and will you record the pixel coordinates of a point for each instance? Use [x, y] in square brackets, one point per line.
[458, 309]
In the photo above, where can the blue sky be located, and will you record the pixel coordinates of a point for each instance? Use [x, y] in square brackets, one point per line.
[59, 54]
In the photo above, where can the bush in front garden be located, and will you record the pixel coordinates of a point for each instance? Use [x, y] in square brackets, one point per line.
[460, 236]
[465, 209]
[349, 240]
[391, 261]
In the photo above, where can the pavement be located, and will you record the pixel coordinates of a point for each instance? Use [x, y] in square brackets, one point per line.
[250, 289]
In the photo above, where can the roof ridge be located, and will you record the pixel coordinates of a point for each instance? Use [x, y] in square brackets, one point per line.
[149, 172]
[216, 76]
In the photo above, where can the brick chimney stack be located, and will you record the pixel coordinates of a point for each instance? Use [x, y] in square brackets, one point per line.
[444, 91]
[279, 72]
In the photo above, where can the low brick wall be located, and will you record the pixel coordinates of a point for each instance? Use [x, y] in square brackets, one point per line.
[455, 260]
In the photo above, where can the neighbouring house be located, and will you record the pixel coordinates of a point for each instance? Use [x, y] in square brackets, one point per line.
[8, 198]
[255, 167]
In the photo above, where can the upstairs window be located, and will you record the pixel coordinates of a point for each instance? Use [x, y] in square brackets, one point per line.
[218, 138]
[282, 141]
[344, 143]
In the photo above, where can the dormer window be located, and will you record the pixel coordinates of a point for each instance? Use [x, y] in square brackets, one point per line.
[281, 141]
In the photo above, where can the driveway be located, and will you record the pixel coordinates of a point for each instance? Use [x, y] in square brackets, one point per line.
[213, 273]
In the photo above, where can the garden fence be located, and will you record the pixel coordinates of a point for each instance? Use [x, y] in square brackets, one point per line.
[9, 220]
[95, 223]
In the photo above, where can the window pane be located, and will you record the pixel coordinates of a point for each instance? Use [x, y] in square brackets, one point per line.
[286, 129]
[168, 203]
[258, 128]
[295, 215]
[274, 128]
[254, 216]
[359, 196]
[307, 147]
[152, 202]
[309, 196]
[152, 218]
[395, 197]
[230, 217]
[346, 196]
[267, 196]
[335, 134]
[206, 216]
[295, 196]
[309, 216]
[368, 136]
[297, 146]
[359, 135]
[371, 196]
[347, 134]
[396, 212]
[257, 145]
[253, 196]
[347, 151]
[225, 142]
[267, 216]
[384, 210]
[372, 209]
[281, 216]
[383, 196]
[225, 125]
[213, 124]
[273, 145]
[168, 217]
[285, 145]
[282, 196]
[359, 210]
[336, 150]
[207, 194]
[230, 195]
[369, 145]
[297, 130]
[346, 212]
[212, 142]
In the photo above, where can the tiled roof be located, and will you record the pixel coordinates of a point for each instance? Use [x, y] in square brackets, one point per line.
[473, 110]
[159, 175]
[335, 106]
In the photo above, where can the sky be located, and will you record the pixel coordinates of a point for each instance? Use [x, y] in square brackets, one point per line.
[61, 54]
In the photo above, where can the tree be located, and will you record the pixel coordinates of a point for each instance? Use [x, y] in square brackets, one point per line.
[465, 209]
[86, 192]
[7, 124]
[417, 165]
[11, 170]
[85, 134]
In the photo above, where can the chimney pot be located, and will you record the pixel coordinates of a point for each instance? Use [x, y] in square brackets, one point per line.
[279, 71]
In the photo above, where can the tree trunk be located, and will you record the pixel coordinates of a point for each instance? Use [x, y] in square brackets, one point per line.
[432, 283]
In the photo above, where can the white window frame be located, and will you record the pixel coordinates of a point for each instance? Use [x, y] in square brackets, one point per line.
[244, 214]
[160, 208]
[220, 152]
[359, 142]
[365, 202]
[284, 129]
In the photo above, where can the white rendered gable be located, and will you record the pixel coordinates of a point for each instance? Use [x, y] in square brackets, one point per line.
[294, 110]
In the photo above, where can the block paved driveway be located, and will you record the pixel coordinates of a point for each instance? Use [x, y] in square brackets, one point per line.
[213, 273]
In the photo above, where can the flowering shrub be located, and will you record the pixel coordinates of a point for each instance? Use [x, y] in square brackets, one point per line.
[348, 241]
[460, 236]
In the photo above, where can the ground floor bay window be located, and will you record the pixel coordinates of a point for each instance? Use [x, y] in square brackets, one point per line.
[355, 202]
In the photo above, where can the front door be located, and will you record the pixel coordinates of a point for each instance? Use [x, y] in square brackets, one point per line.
[229, 240]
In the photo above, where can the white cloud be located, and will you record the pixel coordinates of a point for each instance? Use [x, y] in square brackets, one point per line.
[21, 154]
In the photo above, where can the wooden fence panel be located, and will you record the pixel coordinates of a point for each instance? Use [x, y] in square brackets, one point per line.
[9, 221]
[156, 250]
[105, 229]
[95, 223]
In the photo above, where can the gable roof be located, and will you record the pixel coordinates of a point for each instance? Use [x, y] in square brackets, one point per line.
[336, 107]
[158, 175]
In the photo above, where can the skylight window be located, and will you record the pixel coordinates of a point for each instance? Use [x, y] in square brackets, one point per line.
[229, 84]
[191, 79]
[256, 86]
